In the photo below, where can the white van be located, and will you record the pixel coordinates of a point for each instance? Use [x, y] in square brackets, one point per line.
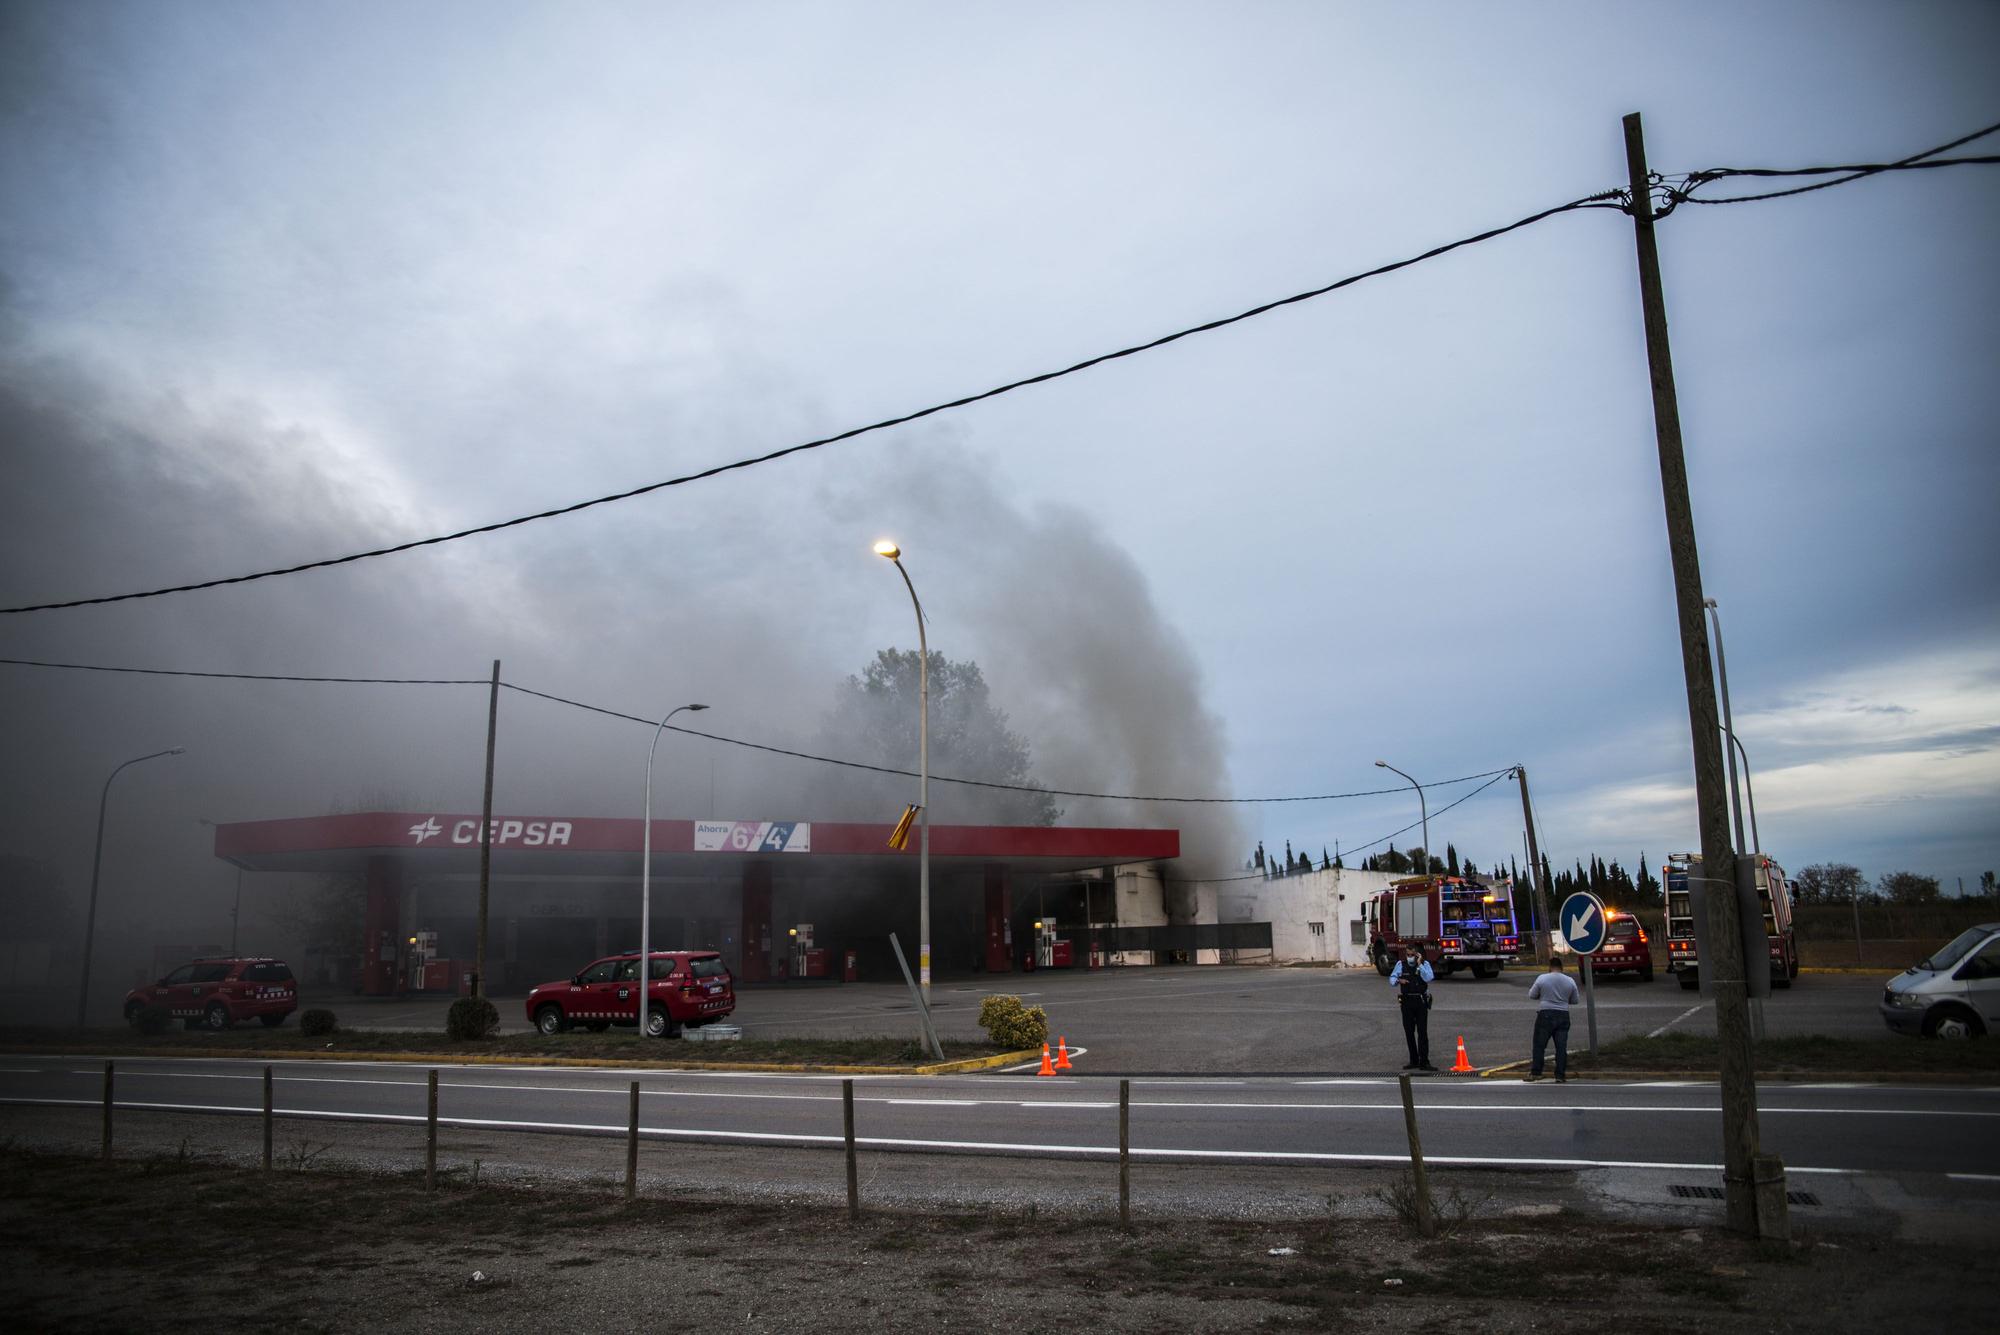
[1953, 994]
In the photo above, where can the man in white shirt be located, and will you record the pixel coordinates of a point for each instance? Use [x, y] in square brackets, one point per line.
[1554, 993]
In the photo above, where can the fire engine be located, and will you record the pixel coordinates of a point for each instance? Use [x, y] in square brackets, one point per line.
[1454, 922]
[1774, 896]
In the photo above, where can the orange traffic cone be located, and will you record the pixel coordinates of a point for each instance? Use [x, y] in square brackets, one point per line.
[1062, 1053]
[1462, 1066]
[1046, 1068]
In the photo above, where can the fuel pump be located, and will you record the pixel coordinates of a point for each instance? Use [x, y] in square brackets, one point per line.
[423, 949]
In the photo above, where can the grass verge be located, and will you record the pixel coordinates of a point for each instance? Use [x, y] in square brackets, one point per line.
[1696, 1053]
[615, 1047]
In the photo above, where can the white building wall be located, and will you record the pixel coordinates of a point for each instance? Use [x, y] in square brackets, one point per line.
[1293, 904]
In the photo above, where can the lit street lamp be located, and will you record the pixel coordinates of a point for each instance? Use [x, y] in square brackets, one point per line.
[890, 551]
[1423, 809]
[96, 863]
[645, 969]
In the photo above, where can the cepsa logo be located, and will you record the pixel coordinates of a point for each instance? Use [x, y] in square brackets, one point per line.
[527, 833]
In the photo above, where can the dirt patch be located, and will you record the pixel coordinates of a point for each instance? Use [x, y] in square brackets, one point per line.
[136, 1245]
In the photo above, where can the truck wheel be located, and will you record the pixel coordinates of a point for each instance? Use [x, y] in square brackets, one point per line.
[132, 1009]
[1382, 965]
[549, 1020]
[1485, 971]
[659, 1024]
[1689, 981]
[1646, 972]
[216, 1016]
[1780, 978]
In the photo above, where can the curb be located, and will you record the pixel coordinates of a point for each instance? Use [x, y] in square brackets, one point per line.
[1881, 970]
[595, 1063]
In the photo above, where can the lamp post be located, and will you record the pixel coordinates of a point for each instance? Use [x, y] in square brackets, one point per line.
[1749, 795]
[644, 978]
[891, 552]
[235, 909]
[1423, 809]
[1728, 727]
[96, 863]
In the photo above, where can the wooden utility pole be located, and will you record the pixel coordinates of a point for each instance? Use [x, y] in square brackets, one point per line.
[486, 835]
[1535, 871]
[1722, 952]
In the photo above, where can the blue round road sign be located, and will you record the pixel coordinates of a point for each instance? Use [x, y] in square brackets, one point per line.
[1582, 923]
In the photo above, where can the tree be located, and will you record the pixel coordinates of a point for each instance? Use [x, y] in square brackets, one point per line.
[1829, 883]
[1451, 860]
[1906, 887]
[1646, 889]
[874, 718]
[1258, 857]
[1987, 885]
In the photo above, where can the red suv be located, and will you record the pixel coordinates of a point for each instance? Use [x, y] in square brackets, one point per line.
[217, 991]
[1626, 948]
[689, 988]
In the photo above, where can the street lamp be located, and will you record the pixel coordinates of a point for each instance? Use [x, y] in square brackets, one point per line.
[236, 909]
[1728, 727]
[644, 972]
[1423, 809]
[891, 552]
[97, 862]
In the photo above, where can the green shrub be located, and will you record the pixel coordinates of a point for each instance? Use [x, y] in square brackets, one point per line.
[470, 1018]
[1010, 1024]
[317, 1023]
[151, 1019]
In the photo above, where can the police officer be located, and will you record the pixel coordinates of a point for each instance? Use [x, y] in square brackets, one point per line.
[1410, 980]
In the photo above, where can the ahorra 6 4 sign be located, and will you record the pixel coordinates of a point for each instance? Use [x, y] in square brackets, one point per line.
[753, 836]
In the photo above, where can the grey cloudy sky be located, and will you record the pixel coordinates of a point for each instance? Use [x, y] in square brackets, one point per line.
[283, 281]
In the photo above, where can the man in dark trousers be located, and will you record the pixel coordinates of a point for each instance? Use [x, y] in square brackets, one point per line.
[1553, 994]
[1410, 980]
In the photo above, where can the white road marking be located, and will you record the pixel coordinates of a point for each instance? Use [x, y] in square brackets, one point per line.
[1677, 1019]
[887, 1142]
[1973, 1177]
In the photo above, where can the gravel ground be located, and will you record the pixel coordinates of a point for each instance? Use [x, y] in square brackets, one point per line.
[343, 1237]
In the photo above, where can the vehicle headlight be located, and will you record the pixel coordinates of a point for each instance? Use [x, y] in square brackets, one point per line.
[1913, 1000]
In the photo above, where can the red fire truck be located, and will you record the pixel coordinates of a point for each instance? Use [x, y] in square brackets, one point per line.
[1457, 923]
[1774, 896]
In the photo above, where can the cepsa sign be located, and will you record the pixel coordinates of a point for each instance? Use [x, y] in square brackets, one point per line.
[527, 833]
[752, 836]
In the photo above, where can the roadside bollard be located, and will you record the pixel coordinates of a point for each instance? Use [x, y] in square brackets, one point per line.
[853, 1174]
[106, 1152]
[1125, 1154]
[267, 1119]
[632, 1148]
[431, 1139]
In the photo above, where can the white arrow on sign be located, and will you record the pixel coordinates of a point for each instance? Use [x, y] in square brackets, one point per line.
[1579, 929]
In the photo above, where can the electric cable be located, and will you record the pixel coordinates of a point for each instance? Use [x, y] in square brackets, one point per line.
[990, 783]
[1496, 777]
[1603, 199]
[1845, 174]
[727, 741]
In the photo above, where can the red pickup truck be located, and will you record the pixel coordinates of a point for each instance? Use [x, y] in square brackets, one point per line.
[687, 989]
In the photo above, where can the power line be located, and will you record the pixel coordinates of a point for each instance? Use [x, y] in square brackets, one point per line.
[727, 741]
[251, 676]
[1603, 199]
[987, 783]
[1496, 777]
[1846, 174]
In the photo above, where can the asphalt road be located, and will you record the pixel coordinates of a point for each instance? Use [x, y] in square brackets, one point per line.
[1232, 1019]
[1819, 1129]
